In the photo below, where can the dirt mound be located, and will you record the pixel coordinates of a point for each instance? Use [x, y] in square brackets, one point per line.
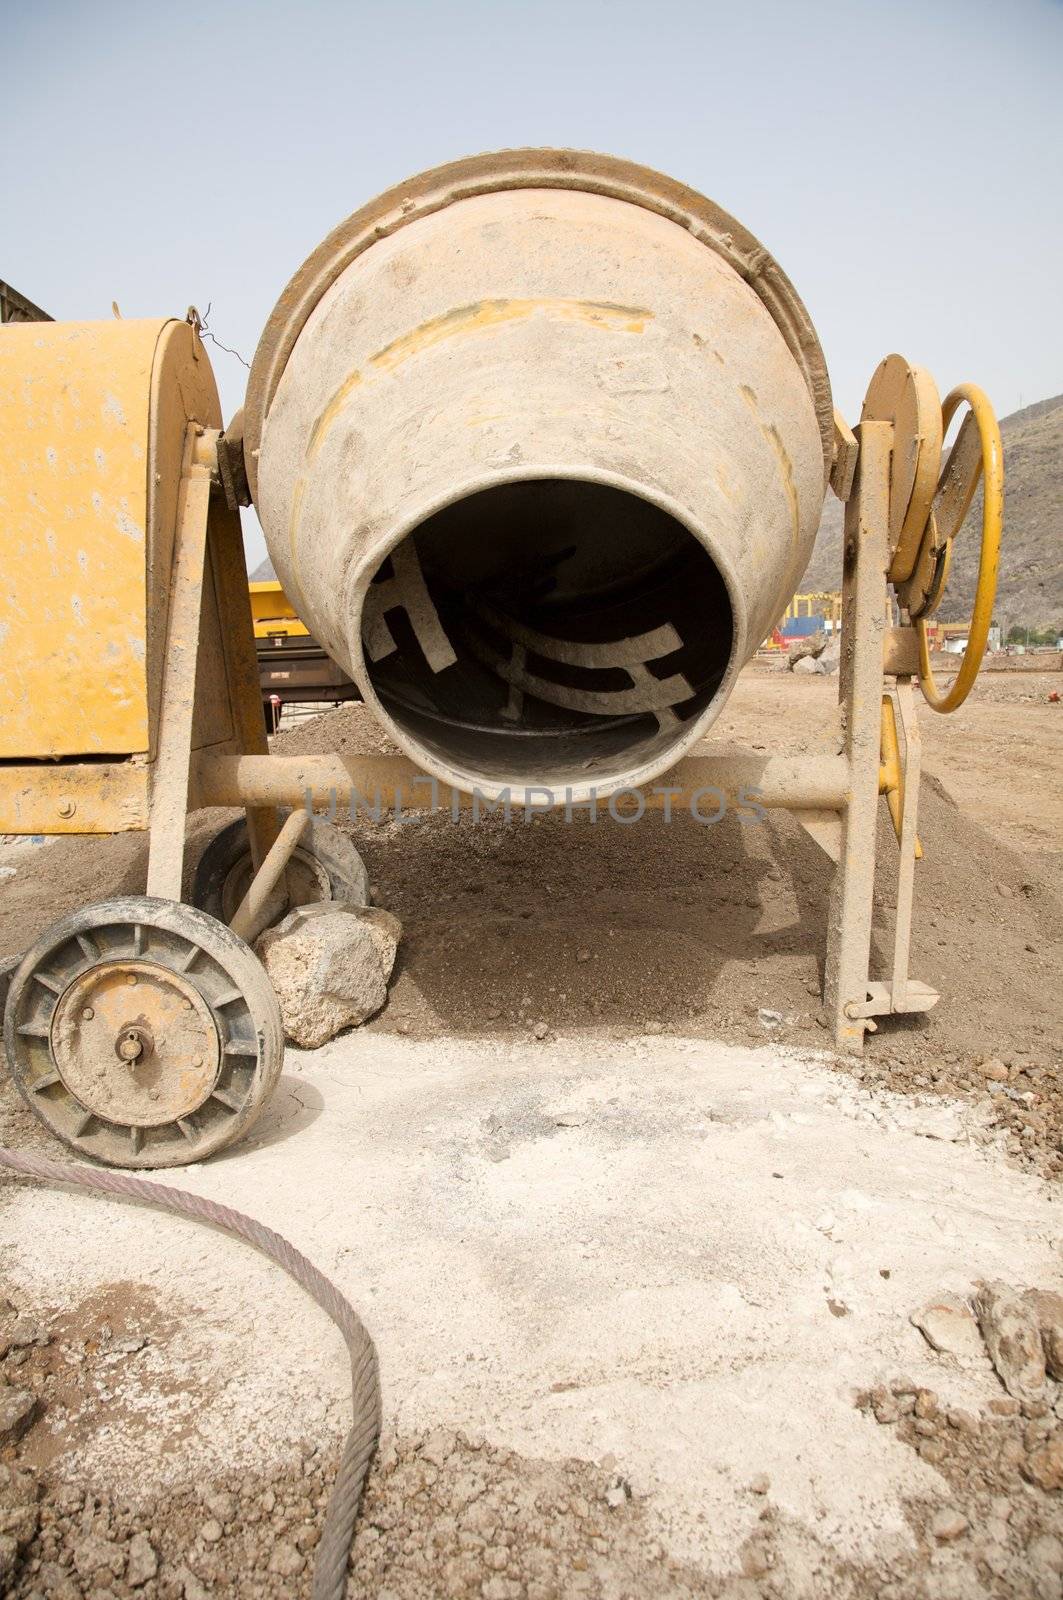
[650, 926]
[46, 879]
[680, 925]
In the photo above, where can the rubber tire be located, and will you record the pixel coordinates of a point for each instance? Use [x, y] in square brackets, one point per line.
[331, 850]
[226, 950]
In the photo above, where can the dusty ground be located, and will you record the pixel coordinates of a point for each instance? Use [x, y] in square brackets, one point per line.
[632, 1281]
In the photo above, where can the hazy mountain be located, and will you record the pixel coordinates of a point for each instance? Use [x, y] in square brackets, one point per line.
[1030, 589]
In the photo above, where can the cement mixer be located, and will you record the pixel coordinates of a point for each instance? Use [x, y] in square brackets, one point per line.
[539, 442]
[561, 433]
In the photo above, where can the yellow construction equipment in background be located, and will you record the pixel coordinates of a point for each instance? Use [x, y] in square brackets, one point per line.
[293, 669]
[273, 613]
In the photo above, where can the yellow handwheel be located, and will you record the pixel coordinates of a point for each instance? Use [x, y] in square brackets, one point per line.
[991, 466]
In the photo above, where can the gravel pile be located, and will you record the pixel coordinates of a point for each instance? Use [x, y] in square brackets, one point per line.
[1005, 1470]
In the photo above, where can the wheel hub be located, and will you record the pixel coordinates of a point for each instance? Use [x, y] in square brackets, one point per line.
[305, 882]
[135, 1043]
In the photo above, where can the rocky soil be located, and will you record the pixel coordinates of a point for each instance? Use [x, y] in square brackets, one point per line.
[446, 1514]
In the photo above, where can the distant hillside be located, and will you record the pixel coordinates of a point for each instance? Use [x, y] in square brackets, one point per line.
[1031, 560]
[263, 573]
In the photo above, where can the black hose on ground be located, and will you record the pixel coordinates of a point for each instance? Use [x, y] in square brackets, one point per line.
[333, 1552]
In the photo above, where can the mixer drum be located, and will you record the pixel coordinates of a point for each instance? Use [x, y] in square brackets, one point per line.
[539, 444]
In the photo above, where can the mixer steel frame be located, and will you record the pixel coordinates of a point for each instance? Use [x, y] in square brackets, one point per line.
[833, 793]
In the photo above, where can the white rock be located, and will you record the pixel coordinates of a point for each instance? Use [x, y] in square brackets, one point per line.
[17, 1407]
[1013, 1338]
[329, 964]
[1047, 1552]
[1047, 1307]
[808, 664]
[830, 658]
[438, 1448]
[143, 1562]
[26, 1332]
[948, 1324]
[8, 965]
[285, 1560]
[948, 1525]
[191, 1588]
[221, 1506]
[930, 1122]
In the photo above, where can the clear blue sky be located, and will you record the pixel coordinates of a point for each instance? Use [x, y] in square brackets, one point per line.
[902, 160]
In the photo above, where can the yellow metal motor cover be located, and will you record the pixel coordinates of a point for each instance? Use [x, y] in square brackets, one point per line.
[92, 423]
[272, 612]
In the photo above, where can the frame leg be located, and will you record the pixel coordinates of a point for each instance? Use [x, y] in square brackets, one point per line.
[253, 911]
[864, 622]
[170, 779]
[241, 665]
[906, 864]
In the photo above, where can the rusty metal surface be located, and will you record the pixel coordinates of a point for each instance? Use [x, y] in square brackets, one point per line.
[135, 1043]
[900, 651]
[492, 172]
[817, 781]
[906, 397]
[232, 469]
[74, 797]
[826, 827]
[894, 763]
[155, 1073]
[92, 420]
[170, 773]
[846, 451]
[910, 851]
[228, 568]
[99, 464]
[182, 391]
[863, 624]
[958, 490]
[253, 912]
[922, 592]
[74, 421]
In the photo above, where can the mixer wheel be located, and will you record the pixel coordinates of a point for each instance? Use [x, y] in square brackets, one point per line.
[324, 866]
[143, 1033]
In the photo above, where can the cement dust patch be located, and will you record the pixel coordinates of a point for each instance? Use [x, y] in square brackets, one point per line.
[686, 1256]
